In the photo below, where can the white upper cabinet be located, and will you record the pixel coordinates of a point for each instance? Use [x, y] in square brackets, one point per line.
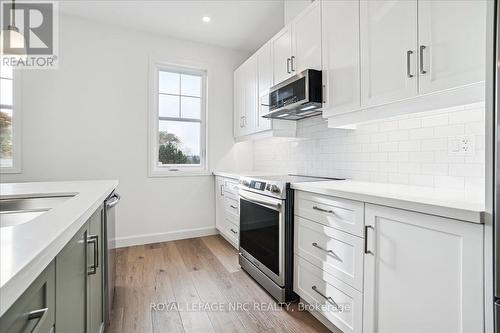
[298, 46]
[340, 27]
[282, 55]
[245, 97]
[238, 102]
[307, 40]
[388, 51]
[422, 273]
[251, 95]
[265, 80]
[451, 43]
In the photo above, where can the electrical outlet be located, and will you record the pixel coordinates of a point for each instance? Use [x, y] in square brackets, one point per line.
[461, 145]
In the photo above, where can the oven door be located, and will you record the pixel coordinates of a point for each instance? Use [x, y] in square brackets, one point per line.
[262, 233]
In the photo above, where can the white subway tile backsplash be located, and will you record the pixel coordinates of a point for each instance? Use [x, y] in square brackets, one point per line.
[398, 157]
[437, 169]
[437, 120]
[449, 182]
[465, 116]
[398, 136]
[434, 144]
[379, 137]
[388, 146]
[409, 145]
[421, 180]
[421, 133]
[411, 149]
[467, 170]
[388, 126]
[450, 130]
[421, 157]
[410, 123]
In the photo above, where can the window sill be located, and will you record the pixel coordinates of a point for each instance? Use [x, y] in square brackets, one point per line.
[166, 174]
[13, 170]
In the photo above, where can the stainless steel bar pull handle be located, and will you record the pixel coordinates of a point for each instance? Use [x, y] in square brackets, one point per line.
[37, 314]
[288, 60]
[327, 251]
[329, 299]
[408, 63]
[422, 49]
[233, 206]
[323, 210]
[366, 239]
[233, 231]
[115, 198]
[222, 190]
[94, 240]
[292, 59]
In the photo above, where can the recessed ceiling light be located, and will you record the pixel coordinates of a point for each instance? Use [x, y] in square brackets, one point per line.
[205, 19]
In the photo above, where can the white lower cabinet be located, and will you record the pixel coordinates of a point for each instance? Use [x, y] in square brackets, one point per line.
[407, 272]
[337, 253]
[338, 302]
[422, 274]
[227, 215]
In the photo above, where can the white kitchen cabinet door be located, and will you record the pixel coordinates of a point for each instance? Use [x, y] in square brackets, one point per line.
[388, 51]
[238, 102]
[340, 35]
[219, 203]
[422, 273]
[452, 36]
[307, 40]
[251, 95]
[265, 82]
[282, 54]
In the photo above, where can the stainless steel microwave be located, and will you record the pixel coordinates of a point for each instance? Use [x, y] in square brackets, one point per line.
[297, 97]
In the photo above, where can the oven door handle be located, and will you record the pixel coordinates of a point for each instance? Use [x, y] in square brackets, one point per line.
[275, 206]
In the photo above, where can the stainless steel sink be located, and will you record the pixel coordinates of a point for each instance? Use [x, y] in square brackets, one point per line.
[21, 210]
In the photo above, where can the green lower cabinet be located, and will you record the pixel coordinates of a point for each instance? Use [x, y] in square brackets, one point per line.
[95, 278]
[34, 311]
[71, 285]
[68, 296]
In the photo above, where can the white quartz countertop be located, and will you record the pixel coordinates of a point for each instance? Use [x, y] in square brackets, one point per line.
[455, 204]
[26, 249]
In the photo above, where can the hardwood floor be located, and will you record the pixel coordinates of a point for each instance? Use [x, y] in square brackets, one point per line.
[196, 285]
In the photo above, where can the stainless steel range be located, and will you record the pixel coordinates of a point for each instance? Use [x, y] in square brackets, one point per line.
[266, 231]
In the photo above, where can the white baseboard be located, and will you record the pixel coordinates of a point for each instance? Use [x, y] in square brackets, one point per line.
[164, 236]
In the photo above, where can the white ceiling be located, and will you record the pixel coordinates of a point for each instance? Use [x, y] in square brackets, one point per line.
[236, 24]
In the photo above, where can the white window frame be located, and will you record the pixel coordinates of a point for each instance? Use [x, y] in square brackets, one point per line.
[154, 170]
[16, 125]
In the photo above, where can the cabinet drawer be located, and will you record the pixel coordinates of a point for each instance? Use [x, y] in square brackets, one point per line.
[332, 250]
[342, 214]
[232, 231]
[231, 207]
[231, 188]
[322, 291]
[39, 296]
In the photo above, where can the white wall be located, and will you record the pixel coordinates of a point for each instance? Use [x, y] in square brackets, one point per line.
[88, 120]
[410, 149]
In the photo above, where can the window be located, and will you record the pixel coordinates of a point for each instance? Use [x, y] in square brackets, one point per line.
[9, 121]
[178, 113]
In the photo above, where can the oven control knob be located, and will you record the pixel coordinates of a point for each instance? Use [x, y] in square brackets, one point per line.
[245, 183]
[275, 189]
